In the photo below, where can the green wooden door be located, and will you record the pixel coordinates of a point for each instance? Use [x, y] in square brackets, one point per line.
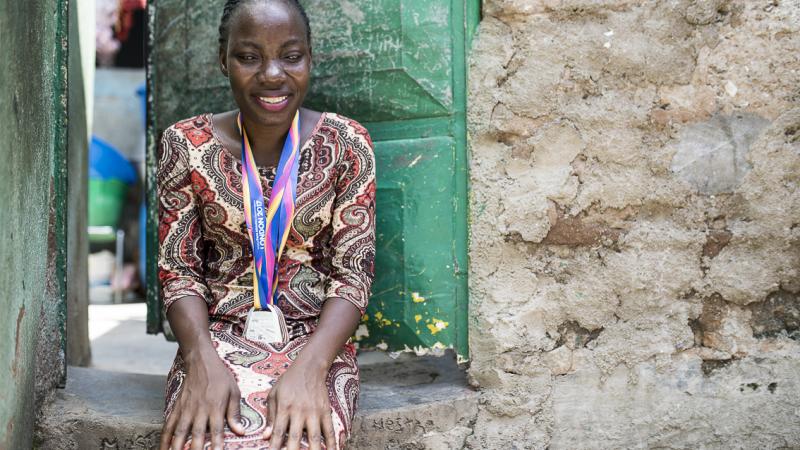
[398, 67]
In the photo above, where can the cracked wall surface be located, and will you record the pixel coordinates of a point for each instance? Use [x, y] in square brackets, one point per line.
[635, 224]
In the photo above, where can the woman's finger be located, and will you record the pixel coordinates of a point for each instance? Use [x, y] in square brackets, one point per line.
[267, 432]
[182, 429]
[216, 425]
[279, 423]
[168, 429]
[313, 433]
[295, 432]
[328, 431]
[199, 432]
[234, 413]
[271, 408]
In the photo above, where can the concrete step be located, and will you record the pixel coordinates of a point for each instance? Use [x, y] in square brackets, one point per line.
[411, 403]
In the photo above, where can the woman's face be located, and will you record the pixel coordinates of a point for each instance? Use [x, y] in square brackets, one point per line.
[268, 61]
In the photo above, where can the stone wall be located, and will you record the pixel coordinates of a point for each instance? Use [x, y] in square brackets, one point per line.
[635, 248]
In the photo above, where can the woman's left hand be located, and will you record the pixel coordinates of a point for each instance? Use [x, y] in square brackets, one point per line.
[298, 402]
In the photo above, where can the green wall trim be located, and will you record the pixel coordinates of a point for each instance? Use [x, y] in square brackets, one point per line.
[77, 303]
[460, 26]
[473, 19]
[57, 244]
[155, 316]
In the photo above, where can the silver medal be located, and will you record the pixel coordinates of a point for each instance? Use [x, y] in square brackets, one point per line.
[266, 326]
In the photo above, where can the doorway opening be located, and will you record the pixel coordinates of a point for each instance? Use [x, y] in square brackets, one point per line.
[117, 209]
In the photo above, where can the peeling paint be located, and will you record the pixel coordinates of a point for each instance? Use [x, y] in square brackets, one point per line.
[352, 11]
[361, 332]
[382, 321]
[17, 331]
[435, 325]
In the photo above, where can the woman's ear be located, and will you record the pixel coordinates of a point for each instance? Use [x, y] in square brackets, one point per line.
[223, 61]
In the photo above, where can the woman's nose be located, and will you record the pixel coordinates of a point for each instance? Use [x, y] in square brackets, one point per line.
[272, 70]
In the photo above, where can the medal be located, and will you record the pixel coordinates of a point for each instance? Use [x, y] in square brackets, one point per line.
[267, 326]
[268, 228]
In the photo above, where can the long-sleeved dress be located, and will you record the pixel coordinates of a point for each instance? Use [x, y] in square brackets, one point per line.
[205, 251]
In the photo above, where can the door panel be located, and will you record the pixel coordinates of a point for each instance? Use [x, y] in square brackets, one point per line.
[415, 306]
[384, 60]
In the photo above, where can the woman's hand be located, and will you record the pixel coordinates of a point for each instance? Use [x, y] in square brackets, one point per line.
[297, 402]
[209, 397]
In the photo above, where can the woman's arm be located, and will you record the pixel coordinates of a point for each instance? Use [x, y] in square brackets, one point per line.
[209, 395]
[299, 400]
[209, 392]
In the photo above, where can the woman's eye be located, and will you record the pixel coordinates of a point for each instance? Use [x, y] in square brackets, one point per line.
[247, 57]
[294, 58]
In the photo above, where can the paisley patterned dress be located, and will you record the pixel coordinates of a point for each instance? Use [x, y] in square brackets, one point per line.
[205, 251]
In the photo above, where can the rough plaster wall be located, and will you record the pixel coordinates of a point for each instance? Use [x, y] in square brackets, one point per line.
[635, 245]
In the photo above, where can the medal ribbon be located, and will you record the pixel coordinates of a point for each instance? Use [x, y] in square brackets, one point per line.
[268, 225]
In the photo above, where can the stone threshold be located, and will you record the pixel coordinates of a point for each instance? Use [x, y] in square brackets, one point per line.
[409, 403]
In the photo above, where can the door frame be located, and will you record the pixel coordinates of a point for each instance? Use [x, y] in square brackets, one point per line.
[466, 16]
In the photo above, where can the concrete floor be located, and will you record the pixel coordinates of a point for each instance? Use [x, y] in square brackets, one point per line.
[121, 344]
[422, 403]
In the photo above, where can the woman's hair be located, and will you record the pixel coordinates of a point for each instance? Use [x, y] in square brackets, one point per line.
[232, 5]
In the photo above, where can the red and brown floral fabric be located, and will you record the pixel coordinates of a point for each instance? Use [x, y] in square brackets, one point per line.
[205, 251]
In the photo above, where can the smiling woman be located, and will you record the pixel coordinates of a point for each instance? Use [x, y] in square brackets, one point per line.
[267, 242]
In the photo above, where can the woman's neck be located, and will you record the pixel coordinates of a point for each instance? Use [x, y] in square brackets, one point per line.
[266, 142]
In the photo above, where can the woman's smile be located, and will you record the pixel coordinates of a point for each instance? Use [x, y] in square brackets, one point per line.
[274, 104]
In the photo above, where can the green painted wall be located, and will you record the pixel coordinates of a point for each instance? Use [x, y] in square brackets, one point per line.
[32, 216]
[80, 24]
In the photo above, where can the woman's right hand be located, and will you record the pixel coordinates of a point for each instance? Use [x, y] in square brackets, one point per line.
[209, 397]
